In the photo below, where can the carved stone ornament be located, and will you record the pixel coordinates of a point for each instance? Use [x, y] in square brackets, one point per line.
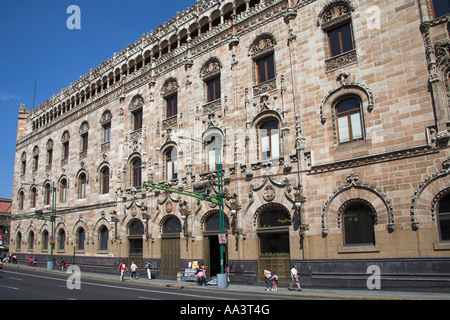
[106, 117]
[269, 193]
[136, 103]
[263, 44]
[334, 12]
[169, 87]
[211, 68]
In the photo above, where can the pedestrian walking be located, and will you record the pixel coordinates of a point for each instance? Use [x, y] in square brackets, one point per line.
[294, 278]
[268, 279]
[149, 268]
[133, 269]
[122, 269]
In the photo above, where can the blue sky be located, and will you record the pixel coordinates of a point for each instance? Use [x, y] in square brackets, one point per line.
[35, 43]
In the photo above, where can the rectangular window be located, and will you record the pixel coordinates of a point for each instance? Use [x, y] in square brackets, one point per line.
[340, 40]
[84, 142]
[270, 144]
[105, 183]
[66, 150]
[106, 133]
[344, 135]
[350, 128]
[213, 88]
[137, 119]
[172, 106]
[35, 163]
[265, 69]
[440, 7]
[49, 156]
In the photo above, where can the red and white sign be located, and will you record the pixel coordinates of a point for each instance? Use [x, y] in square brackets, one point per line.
[222, 238]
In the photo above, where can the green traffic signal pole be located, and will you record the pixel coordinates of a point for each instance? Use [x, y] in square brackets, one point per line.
[217, 200]
[51, 219]
[220, 198]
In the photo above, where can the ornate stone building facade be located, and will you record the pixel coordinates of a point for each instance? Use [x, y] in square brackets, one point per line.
[332, 120]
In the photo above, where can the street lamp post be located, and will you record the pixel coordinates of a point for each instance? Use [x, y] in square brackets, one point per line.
[52, 237]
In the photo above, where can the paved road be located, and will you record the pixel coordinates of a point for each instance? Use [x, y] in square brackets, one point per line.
[24, 284]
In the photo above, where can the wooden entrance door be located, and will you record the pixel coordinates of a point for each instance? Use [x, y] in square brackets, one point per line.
[135, 254]
[170, 256]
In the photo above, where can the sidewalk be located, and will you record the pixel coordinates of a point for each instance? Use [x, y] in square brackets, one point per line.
[332, 293]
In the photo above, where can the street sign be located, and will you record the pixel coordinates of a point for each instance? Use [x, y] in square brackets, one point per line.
[222, 238]
[52, 240]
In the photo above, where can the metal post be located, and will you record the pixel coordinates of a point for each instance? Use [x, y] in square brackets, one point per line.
[220, 196]
[52, 245]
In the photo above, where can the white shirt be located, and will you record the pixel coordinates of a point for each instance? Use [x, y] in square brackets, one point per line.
[133, 267]
[294, 272]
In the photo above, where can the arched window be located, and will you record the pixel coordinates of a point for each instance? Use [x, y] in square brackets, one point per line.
[136, 108]
[171, 164]
[19, 240]
[23, 164]
[61, 239]
[82, 183]
[136, 166]
[349, 120]
[104, 236]
[33, 197]
[104, 182]
[47, 194]
[63, 190]
[213, 146]
[172, 225]
[137, 228]
[45, 240]
[270, 140]
[359, 222]
[444, 218]
[336, 22]
[213, 223]
[210, 73]
[262, 52]
[81, 236]
[21, 197]
[31, 240]
[273, 230]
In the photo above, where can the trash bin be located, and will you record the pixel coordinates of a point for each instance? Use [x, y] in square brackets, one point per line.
[49, 265]
[222, 281]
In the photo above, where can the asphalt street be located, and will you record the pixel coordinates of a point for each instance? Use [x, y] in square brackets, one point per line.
[31, 284]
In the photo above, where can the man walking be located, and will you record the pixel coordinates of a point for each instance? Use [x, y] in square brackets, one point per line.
[294, 278]
[149, 267]
[133, 269]
[122, 269]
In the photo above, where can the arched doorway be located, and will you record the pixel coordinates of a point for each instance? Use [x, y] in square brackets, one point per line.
[170, 246]
[211, 242]
[135, 239]
[273, 232]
